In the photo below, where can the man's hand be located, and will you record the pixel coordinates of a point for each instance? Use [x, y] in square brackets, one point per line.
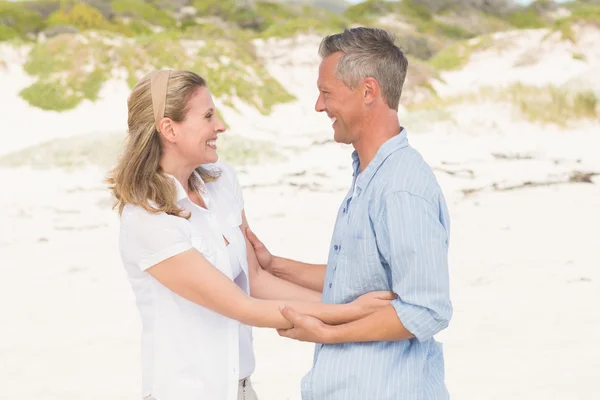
[306, 328]
[373, 301]
[264, 256]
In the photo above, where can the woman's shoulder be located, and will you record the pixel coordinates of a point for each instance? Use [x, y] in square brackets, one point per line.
[141, 218]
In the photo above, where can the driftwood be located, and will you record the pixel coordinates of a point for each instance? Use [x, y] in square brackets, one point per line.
[466, 173]
[517, 156]
[574, 177]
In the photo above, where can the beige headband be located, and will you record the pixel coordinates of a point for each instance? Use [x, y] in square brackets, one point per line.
[159, 82]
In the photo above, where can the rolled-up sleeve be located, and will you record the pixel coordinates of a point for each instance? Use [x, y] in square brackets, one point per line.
[415, 234]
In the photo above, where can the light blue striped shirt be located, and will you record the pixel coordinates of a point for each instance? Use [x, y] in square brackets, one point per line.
[391, 233]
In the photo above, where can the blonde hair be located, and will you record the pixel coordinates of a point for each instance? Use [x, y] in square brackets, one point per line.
[138, 178]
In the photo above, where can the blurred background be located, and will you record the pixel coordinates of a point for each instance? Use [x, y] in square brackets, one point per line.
[501, 98]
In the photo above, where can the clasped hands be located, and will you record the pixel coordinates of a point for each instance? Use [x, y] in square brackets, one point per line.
[307, 328]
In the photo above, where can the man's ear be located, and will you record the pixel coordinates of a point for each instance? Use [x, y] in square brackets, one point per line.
[371, 90]
[166, 129]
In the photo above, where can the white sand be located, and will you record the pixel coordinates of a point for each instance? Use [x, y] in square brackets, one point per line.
[524, 263]
[536, 57]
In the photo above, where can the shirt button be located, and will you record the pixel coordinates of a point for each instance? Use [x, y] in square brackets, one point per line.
[330, 286]
[336, 247]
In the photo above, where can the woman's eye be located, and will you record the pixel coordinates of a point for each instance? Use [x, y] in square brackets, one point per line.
[209, 116]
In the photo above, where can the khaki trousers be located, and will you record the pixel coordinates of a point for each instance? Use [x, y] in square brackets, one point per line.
[245, 391]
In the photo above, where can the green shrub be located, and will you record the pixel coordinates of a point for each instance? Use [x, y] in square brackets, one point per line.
[229, 10]
[43, 8]
[586, 12]
[143, 10]
[273, 12]
[458, 54]
[68, 71]
[49, 96]
[413, 11]
[368, 10]
[130, 28]
[300, 25]
[451, 31]
[80, 15]
[229, 65]
[565, 27]
[8, 33]
[452, 57]
[17, 21]
[525, 19]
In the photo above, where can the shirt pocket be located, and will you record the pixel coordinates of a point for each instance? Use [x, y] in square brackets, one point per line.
[360, 269]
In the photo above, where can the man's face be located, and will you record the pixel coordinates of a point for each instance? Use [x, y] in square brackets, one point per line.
[343, 105]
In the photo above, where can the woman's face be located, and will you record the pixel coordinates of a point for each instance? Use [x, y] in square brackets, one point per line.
[197, 133]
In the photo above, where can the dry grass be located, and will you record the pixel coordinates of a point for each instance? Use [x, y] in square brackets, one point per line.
[548, 105]
[458, 54]
[103, 151]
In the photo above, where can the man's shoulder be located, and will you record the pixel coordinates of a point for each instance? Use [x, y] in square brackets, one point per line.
[407, 171]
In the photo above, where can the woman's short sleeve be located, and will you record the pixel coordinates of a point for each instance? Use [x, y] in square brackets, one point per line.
[148, 238]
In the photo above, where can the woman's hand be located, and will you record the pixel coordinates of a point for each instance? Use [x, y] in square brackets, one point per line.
[263, 255]
[373, 301]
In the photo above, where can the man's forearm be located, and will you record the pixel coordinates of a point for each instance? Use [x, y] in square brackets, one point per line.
[331, 314]
[266, 286]
[311, 276]
[381, 326]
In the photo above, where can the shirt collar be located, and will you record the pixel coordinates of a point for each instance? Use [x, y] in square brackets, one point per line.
[393, 144]
[182, 194]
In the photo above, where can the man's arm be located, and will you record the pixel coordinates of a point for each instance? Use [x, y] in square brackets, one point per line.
[264, 285]
[415, 234]
[310, 276]
[413, 240]
[381, 326]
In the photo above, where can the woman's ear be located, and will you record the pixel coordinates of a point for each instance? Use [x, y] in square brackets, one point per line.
[167, 130]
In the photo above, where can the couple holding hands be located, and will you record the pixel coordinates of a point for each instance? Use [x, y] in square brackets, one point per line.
[202, 279]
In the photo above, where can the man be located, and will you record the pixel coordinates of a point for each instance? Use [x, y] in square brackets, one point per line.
[391, 233]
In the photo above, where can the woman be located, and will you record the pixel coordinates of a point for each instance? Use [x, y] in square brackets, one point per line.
[188, 261]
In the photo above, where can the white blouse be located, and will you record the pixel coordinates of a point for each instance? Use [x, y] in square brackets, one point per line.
[247, 362]
[188, 352]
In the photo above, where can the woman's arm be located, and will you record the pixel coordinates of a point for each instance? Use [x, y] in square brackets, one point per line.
[193, 277]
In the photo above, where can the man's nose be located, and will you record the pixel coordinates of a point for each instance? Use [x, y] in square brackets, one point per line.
[320, 104]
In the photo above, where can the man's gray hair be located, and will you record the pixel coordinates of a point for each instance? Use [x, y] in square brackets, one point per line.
[368, 52]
